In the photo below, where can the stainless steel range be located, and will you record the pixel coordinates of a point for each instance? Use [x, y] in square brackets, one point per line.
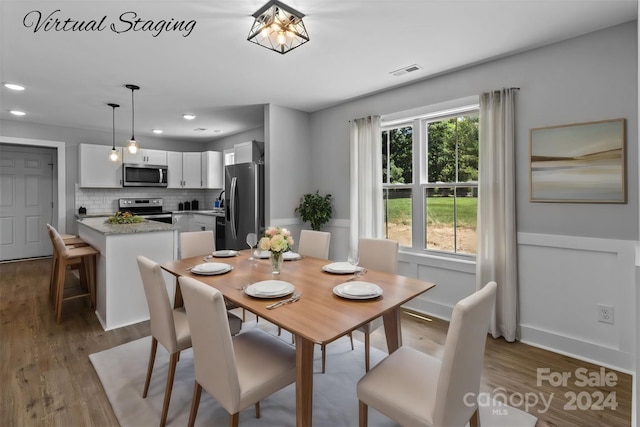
[151, 209]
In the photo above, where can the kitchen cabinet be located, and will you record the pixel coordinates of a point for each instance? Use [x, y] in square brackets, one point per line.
[202, 223]
[245, 152]
[146, 156]
[97, 170]
[212, 170]
[185, 170]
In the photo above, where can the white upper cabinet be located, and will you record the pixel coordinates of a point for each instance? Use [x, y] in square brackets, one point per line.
[246, 152]
[97, 170]
[146, 156]
[212, 169]
[185, 170]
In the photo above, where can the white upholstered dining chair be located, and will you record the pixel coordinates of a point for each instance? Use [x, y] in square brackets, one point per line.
[379, 255]
[314, 243]
[418, 390]
[169, 326]
[236, 371]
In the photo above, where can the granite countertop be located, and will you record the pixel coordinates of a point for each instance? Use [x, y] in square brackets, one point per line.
[99, 224]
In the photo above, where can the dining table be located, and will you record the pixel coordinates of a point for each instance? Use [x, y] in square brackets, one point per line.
[320, 315]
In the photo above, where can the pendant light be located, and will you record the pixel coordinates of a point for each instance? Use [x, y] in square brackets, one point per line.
[133, 144]
[114, 153]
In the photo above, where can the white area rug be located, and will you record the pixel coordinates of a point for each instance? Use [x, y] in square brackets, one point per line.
[122, 371]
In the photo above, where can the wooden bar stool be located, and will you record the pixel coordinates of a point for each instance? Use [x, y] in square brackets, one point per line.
[85, 259]
[70, 241]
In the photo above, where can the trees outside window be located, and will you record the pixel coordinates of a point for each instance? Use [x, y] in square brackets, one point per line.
[436, 160]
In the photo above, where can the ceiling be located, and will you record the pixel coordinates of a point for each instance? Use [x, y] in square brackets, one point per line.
[216, 74]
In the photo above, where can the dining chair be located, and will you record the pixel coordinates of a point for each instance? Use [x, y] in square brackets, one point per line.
[314, 243]
[379, 255]
[169, 326]
[84, 258]
[418, 390]
[236, 371]
[194, 243]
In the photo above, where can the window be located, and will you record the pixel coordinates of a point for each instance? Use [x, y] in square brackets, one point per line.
[430, 182]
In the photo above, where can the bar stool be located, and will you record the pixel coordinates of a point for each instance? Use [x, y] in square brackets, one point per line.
[85, 258]
[69, 240]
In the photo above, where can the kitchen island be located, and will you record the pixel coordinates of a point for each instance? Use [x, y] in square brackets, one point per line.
[119, 292]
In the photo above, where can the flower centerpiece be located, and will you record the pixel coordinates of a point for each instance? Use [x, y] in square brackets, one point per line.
[124, 218]
[276, 240]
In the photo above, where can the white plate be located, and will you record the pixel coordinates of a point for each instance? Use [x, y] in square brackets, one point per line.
[340, 268]
[211, 268]
[261, 254]
[357, 290]
[226, 253]
[269, 289]
[290, 256]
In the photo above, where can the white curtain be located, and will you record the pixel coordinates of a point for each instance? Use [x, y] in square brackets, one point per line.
[496, 257]
[366, 179]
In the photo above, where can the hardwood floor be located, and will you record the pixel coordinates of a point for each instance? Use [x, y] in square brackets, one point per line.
[47, 378]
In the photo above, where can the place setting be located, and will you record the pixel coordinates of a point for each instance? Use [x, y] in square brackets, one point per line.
[357, 290]
[286, 256]
[210, 268]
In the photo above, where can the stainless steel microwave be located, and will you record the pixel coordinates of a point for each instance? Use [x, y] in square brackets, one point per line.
[141, 175]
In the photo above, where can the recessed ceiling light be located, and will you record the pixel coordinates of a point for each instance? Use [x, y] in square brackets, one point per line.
[189, 116]
[17, 113]
[156, 130]
[13, 86]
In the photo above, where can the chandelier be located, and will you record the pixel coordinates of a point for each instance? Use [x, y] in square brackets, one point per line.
[278, 27]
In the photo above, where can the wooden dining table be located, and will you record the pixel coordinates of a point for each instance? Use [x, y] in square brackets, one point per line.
[319, 316]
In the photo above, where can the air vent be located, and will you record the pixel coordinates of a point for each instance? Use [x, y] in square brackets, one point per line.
[405, 70]
[199, 129]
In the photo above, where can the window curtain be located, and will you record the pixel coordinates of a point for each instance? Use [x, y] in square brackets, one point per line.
[496, 257]
[366, 179]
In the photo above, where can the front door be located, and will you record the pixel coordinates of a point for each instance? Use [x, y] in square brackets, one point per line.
[26, 201]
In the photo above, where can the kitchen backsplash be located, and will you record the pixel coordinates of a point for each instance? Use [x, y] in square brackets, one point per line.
[105, 200]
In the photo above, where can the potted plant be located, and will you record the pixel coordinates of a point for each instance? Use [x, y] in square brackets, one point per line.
[315, 209]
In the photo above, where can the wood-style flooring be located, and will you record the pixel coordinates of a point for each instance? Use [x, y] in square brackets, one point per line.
[47, 379]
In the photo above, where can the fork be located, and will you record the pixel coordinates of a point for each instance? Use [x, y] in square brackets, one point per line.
[294, 298]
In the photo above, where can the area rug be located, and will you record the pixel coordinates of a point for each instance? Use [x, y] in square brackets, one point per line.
[122, 372]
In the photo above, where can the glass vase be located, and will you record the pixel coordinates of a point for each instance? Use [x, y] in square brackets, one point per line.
[276, 262]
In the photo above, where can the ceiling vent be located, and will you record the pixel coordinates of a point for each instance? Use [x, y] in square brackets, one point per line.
[405, 70]
[199, 129]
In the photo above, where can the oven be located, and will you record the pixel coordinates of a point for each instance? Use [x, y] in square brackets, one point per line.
[150, 209]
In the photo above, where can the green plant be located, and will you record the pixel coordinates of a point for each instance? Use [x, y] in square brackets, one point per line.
[315, 209]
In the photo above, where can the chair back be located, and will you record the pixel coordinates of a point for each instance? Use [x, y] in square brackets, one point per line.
[56, 240]
[314, 243]
[378, 254]
[194, 243]
[163, 327]
[213, 353]
[462, 359]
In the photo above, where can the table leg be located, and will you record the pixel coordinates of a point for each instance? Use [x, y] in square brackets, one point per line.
[177, 301]
[392, 329]
[304, 381]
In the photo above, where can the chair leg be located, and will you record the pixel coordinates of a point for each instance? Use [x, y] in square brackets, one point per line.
[351, 339]
[474, 421]
[152, 359]
[173, 361]
[363, 414]
[257, 409]
[234, 419]
[62, 268]
[195, 402]
[323, 349]
[367, 342]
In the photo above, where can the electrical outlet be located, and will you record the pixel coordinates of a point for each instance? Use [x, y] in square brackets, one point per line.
[605, 313]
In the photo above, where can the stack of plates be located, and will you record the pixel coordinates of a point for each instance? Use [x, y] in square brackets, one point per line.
[211, 268]
[291, 256]
[269, 289]
[261, 254]
[340, 268]
[358, 290]
[226, 253]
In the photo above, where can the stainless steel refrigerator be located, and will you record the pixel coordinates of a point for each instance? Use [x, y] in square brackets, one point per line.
[244, 203]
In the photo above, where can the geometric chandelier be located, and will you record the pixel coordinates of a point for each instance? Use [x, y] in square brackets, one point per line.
[278, 27]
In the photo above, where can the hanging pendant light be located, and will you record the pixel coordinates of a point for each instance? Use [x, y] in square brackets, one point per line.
[114, 153]
[133, 144]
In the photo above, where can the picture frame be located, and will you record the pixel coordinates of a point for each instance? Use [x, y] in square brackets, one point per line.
[578, 163]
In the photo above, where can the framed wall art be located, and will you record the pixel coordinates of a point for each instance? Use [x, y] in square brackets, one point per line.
[579, 163]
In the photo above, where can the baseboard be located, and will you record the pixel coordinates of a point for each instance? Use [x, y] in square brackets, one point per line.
[568, 346]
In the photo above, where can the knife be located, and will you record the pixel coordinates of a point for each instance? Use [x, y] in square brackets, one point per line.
[294, 298]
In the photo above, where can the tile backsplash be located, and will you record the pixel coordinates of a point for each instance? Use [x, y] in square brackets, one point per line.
[105, 200]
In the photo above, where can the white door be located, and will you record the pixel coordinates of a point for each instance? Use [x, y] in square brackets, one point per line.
[26, 202]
